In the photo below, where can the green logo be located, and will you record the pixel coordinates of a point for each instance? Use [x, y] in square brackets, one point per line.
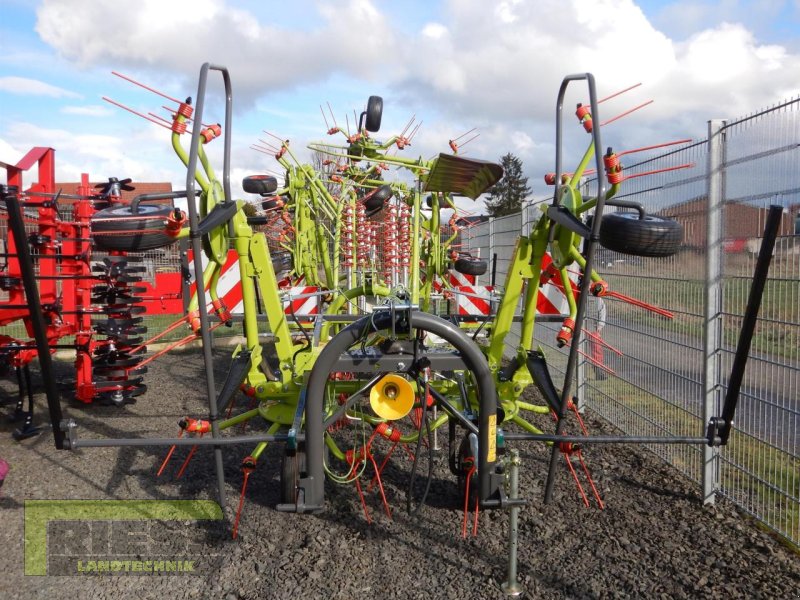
[113, 536]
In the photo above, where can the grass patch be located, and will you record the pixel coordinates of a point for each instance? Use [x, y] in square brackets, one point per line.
[762, 479]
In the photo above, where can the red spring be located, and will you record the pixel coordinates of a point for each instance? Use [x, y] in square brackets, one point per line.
[585, 117]
[179, 127]
[193, 318]
[341, 376]
[615, 177]
[567, 448]
[175, 222]
[351, 457]
[392, 434]
[611, 160]
[599, 288]
[185, 110]
[196, 425]
[564, 336]
[211, 132]
[221, 310]
[248, 390]
[613, 168]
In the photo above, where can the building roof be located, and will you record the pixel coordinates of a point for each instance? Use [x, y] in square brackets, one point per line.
[472, 220]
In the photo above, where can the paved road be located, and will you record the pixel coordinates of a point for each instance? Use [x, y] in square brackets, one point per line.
[671, 367]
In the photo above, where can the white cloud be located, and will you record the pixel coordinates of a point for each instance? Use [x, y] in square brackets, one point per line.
[505, 11]
[521, 141]
[495, 67]
[724, 71]
[505, 64]
[24, 86]
[94, 110]
[143, 35]
[99, 155]
[8, 155]
[435, 31]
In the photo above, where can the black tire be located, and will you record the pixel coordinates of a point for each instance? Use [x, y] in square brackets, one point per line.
[374, 113]
[377, 197]
[293, 467]
[471, 266]
[272, 203]
[263, 185]
[376, 200]
[131, 232]
[625, 232]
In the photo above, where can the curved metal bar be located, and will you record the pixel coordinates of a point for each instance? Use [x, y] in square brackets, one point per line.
[572, 361]
[313, 485]
[197, 248]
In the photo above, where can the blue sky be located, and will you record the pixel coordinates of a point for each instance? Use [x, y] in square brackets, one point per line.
[455, 65]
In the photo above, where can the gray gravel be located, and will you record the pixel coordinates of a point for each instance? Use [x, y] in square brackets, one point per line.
[654, 539]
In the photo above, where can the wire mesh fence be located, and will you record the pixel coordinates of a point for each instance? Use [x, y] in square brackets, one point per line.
[760, 469]
[667, 376]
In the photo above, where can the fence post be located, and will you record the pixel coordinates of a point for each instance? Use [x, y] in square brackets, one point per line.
[491, 237]
[713, 299]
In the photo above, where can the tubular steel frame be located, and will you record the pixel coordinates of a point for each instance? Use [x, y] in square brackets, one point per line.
[490, 488]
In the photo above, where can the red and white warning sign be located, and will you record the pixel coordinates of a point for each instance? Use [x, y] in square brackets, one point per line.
[302, 301]
[474, 300]
[229, 286]
[458, 279]
[455, 279]
[551, 299]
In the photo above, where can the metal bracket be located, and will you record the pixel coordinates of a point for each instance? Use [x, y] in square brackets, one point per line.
[713, 433]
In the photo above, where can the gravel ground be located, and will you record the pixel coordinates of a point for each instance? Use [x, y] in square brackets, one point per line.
[654, 539]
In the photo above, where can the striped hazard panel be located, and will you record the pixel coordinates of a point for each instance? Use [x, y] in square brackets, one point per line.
[301, 301]
[229, 286]
[551, 299]
[474, 300]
